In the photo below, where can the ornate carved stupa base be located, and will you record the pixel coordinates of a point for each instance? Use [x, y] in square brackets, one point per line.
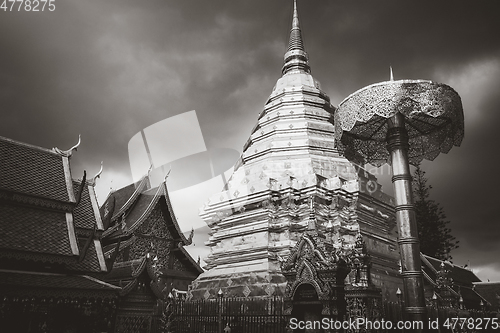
[249, 241]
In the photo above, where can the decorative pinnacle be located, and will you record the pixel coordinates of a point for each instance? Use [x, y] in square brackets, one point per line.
[392, 75]
[295, 20]
[296, 58]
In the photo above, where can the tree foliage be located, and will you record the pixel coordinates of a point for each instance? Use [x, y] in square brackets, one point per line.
[435, 236]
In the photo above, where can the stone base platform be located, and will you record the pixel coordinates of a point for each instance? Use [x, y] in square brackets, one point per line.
[240, 284]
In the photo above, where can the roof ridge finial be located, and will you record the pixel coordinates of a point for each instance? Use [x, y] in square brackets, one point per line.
[98, 175]
[69, 152]
[166, 176]
[296, 56]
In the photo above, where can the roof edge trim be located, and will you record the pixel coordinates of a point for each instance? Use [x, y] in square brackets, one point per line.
[148, 210]
[105, 284]
[95, 207]
[100, 255]
[71, 233]
[132, 198]
[69, 180]
[184, 240]
[194, 263]
[27, 145]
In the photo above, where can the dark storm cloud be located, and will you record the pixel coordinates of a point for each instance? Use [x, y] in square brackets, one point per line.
[53, 79]
[468, 183]
[108, 69]
[465, 181]
[354, 42]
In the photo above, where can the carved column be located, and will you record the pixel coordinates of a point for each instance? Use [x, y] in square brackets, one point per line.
[364, 300]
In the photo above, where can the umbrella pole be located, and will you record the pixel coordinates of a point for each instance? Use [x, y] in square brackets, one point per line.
[409, 245]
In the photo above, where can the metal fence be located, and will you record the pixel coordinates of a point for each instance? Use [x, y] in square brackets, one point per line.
[247, 315]
[250, 315]
[445, 319]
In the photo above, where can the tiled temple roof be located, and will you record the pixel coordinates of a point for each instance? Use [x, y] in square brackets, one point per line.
[138, 206]
[84, 214]
[125, 231]
[34, 230]
[463, 279]
[460, 275]
[143, 204]
[41, 218]
[34, 171]
[93, 260]
[125, 197]
[489, 291]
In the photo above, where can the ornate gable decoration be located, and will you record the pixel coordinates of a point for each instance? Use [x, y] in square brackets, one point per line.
[310, 262]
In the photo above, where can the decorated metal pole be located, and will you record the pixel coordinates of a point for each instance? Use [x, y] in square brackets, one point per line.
[401, 123]
[409, 246]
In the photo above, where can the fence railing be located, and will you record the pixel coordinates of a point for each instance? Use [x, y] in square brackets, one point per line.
[240, 314]
[250, 315]
[445, 319]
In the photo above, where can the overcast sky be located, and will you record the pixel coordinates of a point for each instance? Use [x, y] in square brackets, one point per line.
[108, 69]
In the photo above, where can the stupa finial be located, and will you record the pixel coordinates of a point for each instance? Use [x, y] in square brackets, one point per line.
[295, 21]
[296, 58]
[392, 75]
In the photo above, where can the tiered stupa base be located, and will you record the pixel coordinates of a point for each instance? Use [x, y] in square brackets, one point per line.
[249, 281]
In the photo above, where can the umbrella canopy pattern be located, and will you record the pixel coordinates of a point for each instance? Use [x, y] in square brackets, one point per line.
[433, 116]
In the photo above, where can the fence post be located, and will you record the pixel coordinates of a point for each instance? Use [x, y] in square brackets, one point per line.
[434, 309]
[219, 296]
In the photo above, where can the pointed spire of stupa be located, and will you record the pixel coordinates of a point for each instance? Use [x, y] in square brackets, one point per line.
[295, 41]
[296, 58]
[392, 75]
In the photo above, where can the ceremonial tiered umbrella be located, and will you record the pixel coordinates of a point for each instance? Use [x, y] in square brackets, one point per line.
[401, 123]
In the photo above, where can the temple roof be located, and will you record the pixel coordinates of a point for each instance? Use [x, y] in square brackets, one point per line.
[460, 275]
[43, 215]
[34, 230]
[94, 258]
[463, 280]
[35, 171]
[127, 196]
[133, 204]
[144, 202]
[86, 213]
[489, 291]
[144, 237]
